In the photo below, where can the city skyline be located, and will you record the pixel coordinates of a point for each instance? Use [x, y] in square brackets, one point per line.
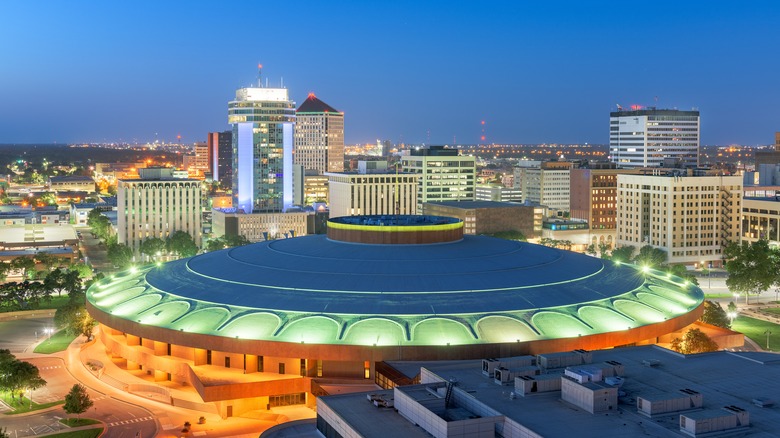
[406, 72]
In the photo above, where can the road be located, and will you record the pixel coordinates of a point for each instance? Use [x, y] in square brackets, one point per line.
[124, 420]
[95, 252]
[18, 335]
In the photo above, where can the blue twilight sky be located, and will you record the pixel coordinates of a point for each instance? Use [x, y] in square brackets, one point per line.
[411, 71]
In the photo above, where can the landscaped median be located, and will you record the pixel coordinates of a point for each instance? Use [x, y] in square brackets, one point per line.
[55, 343]
[21, 405]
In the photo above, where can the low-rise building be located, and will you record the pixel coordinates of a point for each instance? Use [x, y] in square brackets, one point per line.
[608, 397]
[71, 184]
[488, 217]
[258, 227]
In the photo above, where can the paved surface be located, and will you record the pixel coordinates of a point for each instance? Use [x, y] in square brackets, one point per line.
[19, 334]
[96, 252]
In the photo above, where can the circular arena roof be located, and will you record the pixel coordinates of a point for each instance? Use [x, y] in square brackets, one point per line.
[317, 290]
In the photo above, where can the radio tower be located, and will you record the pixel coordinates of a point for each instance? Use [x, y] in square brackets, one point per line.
[482, 136]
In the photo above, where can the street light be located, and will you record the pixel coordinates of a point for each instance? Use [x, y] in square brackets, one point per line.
[767, 333]
[732, 316]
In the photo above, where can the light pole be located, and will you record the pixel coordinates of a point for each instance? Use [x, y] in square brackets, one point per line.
[767, 333]
[732, 316]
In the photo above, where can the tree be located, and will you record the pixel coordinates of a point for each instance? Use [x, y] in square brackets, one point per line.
[694, 341]
[47, 260]
[24, 265]
[73, 316]
[216, 244]
[682, 272]
[77, 400]
[152, 247]
[234, 240]
[752, 267]
[591, 250]
[650, 257]
[623, 254]
[82, 270]
[24, 376]
[603, 249]
[120, 255]
[181, 243]
[715, 315]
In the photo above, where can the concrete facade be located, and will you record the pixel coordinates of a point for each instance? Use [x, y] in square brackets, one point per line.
[689, 217]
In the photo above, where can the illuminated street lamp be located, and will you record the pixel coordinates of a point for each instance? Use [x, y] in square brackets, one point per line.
[767, 333]
[732, 316]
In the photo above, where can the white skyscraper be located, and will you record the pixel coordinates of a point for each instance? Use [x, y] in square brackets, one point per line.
[262, 120]
[644, 137]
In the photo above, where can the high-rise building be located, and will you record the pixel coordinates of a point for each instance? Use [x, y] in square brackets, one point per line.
[372, 190]
[156, 205]
[319, 136]
[644, 137]
[444, 174]
[690, 217]
[547, 184]
[221, 162]
[203, 153]
[263, 119]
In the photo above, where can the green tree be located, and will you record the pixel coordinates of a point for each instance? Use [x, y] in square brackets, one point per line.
[651, 257]
[152, 247]
[77, 400]
[24, 376]
[120, 255]
[4, 268]
[732, 307]
[682, 272]
[623, 254]
[82, 270]
[715, 315]
[237, 240]
[216, 244]
[47, 260]
[603, 249]
[73, 316]
[591, 249]
[25, 265]
[181, 243]
[752, 267]
[694, 341]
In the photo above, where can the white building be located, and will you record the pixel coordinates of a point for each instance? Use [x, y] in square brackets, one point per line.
[156, 205]
[372, 192]
[444, 175]
[319, 136]
[498, 193]
[262, 120]
[548, 185]
[644, 137]
[689, 217]
[258, 227]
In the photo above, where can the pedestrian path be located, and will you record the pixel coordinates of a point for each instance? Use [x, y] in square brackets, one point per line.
[134, 420]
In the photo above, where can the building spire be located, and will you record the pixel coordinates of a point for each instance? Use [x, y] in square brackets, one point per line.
[260, 75]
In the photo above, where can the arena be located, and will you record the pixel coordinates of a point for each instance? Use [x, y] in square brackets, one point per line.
[269, 323]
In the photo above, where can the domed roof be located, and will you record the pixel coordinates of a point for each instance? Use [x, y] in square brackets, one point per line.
[475, 290]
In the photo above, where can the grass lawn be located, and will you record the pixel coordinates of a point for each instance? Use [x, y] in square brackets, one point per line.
[78, 422]
[774, 310]
[755, 328]
[56, 343]
[55, 303]
[711, 296]
[87, 433]
[24, 406]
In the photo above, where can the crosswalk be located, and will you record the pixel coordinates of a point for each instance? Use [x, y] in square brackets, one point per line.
[134, 420]
[53, 367]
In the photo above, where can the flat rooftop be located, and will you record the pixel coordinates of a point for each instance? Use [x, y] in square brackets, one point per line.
[723, 379]
[37, 234]
[470, 205]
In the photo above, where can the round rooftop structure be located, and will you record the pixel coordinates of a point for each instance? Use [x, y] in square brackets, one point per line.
[427, 285]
